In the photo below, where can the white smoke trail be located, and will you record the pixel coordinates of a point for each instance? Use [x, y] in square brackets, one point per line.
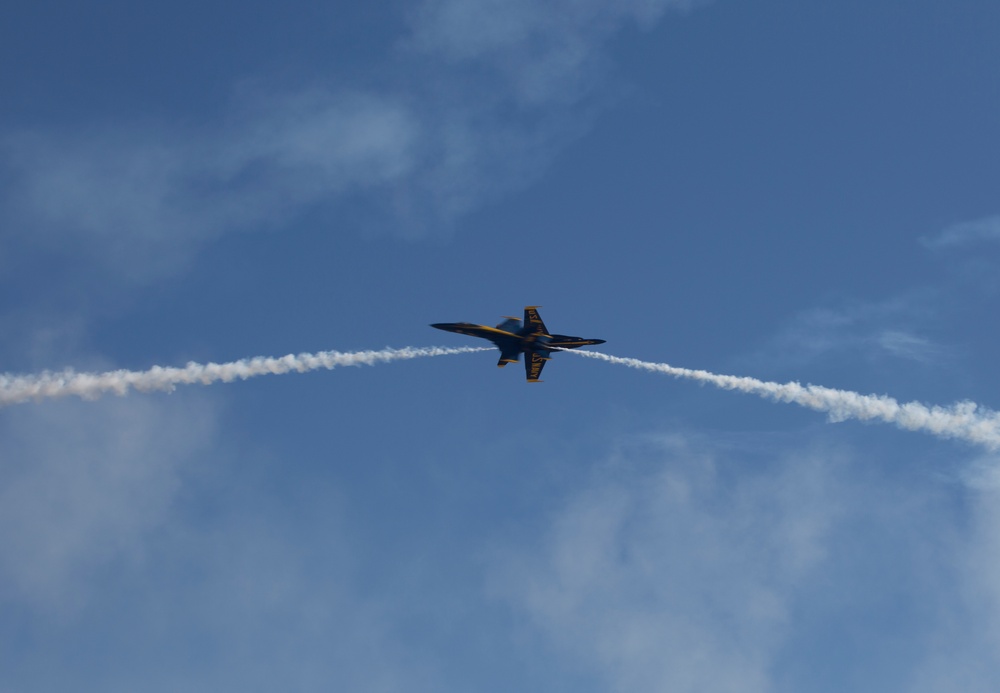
[21, 388]
[962, 420]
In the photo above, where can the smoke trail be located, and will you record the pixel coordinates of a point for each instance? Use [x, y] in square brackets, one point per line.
[21, 388]
[963, 420]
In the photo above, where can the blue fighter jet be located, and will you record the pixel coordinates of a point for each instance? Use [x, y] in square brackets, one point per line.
[513, 338]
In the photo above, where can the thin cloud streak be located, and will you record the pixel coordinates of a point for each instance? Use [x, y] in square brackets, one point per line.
[962, 420]
[15, 389]
[543, 53]
[966, 233]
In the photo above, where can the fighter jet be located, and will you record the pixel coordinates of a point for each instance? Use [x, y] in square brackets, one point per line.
[512, 338]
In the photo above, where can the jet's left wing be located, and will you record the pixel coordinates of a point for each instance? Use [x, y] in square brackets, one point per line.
[533, 365]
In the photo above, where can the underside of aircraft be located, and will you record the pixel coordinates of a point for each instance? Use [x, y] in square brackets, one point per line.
[514, 337]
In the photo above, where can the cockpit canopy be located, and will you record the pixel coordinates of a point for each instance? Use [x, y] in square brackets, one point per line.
[510, 325]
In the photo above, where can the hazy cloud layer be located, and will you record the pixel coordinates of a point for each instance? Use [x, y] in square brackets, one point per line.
[224, 585]
[963, 653]
[271, 592]
[82, 486]
[138, 198]
[665, 575]
[673, 570]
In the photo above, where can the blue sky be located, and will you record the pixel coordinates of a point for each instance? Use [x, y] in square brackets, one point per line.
[785, 190]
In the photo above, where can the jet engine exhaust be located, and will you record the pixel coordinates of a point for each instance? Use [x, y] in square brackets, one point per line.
[15, 389]
[963, 420]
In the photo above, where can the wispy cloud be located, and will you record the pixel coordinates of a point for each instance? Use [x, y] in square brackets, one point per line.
[906, 345]
[681, 566]
[543, 52]
[138, 201]
[81, 488]
[474, 103]
[878, 330]
[125, 527]
[963, 652]
[663, 574]
[966, 233]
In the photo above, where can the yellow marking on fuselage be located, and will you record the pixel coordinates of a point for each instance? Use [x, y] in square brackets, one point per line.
[486, 328]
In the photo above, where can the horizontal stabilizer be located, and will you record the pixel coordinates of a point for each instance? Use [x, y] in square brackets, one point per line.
[508, 356]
